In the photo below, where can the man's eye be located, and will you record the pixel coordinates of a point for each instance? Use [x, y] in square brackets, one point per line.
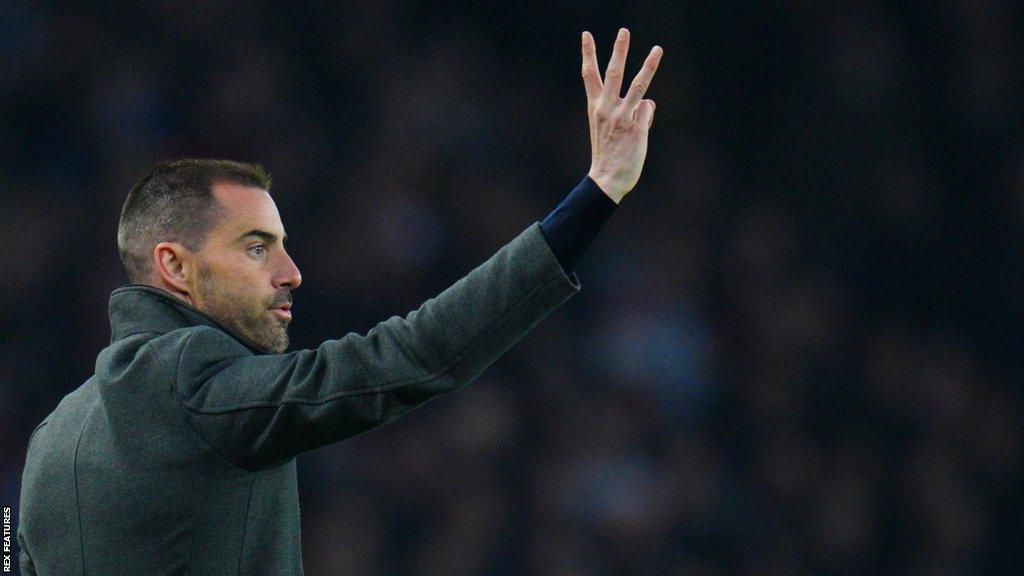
[257, 249]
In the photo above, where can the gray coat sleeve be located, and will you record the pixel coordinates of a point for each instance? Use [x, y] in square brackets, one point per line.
[260, 410]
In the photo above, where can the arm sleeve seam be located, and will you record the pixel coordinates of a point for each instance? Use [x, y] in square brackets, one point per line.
[376, 389]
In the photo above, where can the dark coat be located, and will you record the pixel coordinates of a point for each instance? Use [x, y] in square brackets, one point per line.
[178, 455]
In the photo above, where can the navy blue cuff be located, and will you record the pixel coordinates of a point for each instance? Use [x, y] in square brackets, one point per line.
[574, 224]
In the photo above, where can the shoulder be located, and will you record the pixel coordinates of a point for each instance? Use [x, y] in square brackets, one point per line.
[184, 349]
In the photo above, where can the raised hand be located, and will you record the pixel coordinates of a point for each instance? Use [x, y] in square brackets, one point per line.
[618, 126]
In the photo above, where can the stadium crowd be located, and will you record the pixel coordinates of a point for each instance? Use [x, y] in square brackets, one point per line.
[797, 349]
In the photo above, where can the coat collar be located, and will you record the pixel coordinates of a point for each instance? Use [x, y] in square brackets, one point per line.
[138, 308]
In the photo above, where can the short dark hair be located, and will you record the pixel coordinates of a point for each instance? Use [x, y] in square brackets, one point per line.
[175, 203]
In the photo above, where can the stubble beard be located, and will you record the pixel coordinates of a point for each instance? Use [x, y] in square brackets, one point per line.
[251, 320]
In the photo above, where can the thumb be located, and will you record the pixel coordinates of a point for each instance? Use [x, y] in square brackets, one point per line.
[645, 113]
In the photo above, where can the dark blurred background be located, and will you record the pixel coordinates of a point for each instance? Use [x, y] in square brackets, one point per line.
[798, 345]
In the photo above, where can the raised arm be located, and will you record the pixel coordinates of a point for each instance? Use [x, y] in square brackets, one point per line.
[260, 410]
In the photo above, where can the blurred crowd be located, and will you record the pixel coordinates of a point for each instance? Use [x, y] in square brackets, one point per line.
[798, 345]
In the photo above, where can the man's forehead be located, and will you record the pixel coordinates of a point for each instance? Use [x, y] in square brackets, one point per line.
[246, 208]
[239, 196]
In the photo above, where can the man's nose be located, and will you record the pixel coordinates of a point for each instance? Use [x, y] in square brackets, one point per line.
[288, 275]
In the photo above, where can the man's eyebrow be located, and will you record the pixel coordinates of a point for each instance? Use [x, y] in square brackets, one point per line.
[268, 237]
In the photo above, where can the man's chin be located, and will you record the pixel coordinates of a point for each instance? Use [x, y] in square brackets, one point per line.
[275, 346]
[272, 337]
[277, 339]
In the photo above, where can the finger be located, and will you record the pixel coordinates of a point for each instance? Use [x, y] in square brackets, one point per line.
[616, 67]
[645, 114]
[591, 73]
[643, 78]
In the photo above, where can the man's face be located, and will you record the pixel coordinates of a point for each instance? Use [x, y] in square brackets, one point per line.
[245, 277]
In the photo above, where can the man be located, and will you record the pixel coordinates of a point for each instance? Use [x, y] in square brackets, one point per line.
[178, 455]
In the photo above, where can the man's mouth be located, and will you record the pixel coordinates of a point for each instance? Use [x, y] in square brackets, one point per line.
[284, 310]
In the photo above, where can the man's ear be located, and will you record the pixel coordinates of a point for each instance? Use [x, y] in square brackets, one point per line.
[174, 268]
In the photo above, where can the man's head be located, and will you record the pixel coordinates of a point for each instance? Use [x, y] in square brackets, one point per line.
[208, 232]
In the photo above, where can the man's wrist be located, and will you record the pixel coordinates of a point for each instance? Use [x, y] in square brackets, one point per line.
[605, 186]
[574, 224]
